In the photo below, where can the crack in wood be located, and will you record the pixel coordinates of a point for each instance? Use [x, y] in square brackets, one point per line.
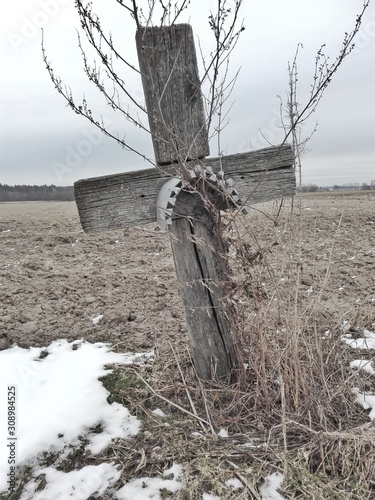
[208, 289]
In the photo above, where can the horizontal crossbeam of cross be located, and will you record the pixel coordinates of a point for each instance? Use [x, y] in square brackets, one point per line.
[115, 201]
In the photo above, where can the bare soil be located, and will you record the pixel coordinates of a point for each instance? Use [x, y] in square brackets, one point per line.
[55, 279]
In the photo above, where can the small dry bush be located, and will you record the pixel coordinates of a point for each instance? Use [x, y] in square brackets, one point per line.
[296, 367]
[292, 403]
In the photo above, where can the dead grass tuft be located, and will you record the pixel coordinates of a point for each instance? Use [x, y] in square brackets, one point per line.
[291, 407]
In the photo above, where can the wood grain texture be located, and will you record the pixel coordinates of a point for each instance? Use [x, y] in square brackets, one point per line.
[115, 201]
[168, 64]
[200, 261]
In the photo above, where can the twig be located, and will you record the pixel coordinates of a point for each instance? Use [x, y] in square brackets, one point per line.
[186, 388]
[206, 407]
[351, 434]
[283, 423]
[166, 400]
[248, 485]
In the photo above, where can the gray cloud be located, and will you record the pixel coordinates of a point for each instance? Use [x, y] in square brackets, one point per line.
[38, 131]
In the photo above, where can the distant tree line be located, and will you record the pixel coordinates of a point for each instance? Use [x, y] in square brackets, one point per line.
[309, 188]
[36, 193]
[354, 187]
[312, 188]
[25, 192]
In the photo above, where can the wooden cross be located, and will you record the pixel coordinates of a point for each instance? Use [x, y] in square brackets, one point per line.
[182, 190]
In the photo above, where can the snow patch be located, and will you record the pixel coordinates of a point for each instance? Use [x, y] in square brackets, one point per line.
[366, 400]
[366, 342]
[268, 490]
[234, 484]
[223, 433]
[175, 470]
[97, 318]
[146, 488]
[75, 485]
[159, 413]
[59, 400]
[362, 364]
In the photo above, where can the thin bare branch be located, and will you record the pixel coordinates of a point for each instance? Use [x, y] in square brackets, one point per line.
[323, 74]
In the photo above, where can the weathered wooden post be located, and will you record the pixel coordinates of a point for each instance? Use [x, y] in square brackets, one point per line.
[187, 192]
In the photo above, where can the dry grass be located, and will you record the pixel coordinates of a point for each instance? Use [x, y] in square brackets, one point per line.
[291, 408]
[322, 464]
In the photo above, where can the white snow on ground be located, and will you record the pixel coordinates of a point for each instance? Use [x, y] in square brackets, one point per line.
[363, 364]
[58, 400]
[81, 484]
[97, 318]
[75, 485]
[268, 490]
[146, 488]
[175, 471]
[365, 399]
[234, 484]
[223, 433]
[159, 412]
[367, 342]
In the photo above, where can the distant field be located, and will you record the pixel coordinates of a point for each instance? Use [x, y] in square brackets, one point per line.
[54, 277]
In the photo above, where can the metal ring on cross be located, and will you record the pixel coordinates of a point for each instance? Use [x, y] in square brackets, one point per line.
[169, 191]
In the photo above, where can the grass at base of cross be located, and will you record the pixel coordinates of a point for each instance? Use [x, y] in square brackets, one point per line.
[292, 409]
[324, 465]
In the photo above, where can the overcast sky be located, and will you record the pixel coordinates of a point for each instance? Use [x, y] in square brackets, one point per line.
[44, 142]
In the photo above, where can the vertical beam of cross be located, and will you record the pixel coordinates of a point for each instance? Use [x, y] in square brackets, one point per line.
[177, 122]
